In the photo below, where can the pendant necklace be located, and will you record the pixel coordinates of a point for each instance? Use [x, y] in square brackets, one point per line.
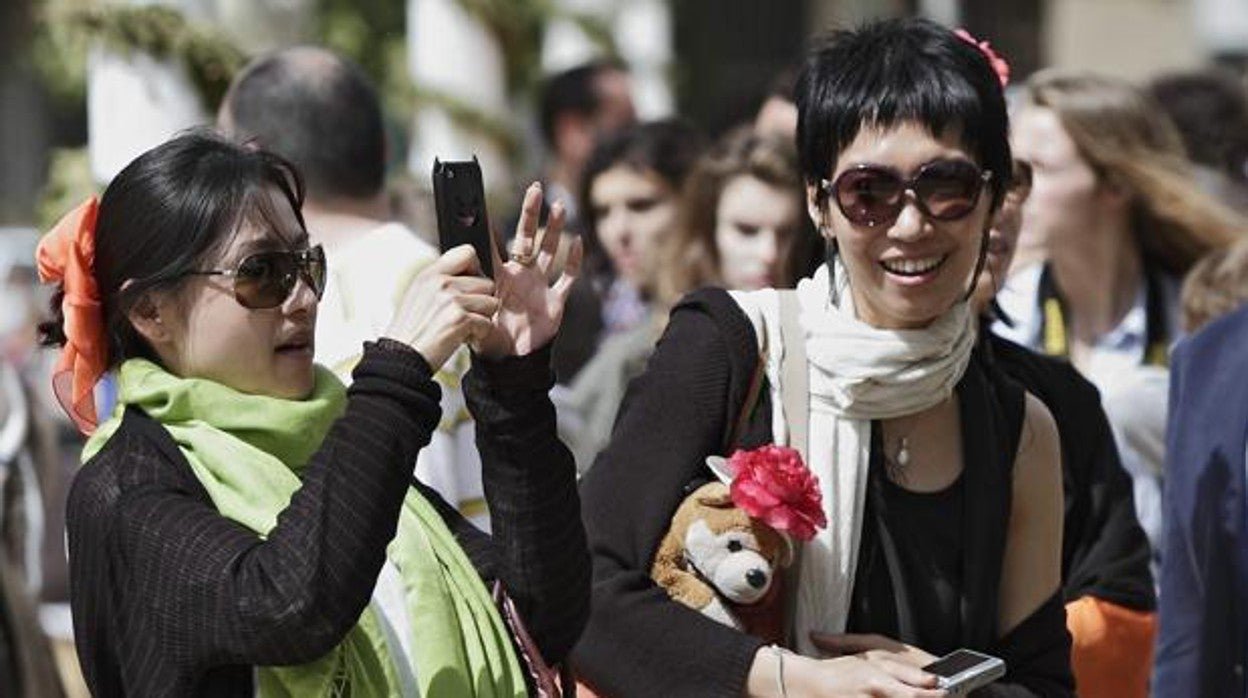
[903, 452]
[897, 463]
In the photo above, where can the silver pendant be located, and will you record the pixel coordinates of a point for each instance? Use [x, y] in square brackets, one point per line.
[903, 452]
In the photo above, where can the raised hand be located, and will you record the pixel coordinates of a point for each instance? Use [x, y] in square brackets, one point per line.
[530, 308]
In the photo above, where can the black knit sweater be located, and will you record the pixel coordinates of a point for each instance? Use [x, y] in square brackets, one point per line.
[170, 598]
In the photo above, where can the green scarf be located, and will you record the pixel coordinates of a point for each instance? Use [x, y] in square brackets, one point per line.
[248, 452]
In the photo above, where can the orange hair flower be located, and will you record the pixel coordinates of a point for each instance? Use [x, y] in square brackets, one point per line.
[66, 255]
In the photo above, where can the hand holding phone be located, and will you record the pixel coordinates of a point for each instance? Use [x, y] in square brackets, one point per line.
[459, 198]
[963, 671]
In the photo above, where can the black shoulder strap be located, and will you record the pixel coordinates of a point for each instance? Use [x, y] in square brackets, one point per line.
[1053, 310]
[1157, 323]
[752, 393]
[1052, 315]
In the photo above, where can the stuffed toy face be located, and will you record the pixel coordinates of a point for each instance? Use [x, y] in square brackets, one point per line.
[730, 561]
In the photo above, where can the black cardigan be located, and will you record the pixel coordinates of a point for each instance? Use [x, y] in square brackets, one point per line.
[641, 643]
[171, 598]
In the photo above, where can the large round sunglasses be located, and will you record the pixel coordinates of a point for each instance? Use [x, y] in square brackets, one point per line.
[944, 190]
[266, 279]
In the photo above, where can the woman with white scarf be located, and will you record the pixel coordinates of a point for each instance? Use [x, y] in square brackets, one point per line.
[939, 476]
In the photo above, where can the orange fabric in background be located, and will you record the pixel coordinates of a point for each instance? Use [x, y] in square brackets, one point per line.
[1112, 651]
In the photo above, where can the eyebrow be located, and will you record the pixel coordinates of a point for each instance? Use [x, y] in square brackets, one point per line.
[271, 242]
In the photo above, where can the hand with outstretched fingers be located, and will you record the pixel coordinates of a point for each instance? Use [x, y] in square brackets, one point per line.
[530, 308]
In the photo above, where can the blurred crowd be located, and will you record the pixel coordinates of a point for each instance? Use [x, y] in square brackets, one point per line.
[1122, 237]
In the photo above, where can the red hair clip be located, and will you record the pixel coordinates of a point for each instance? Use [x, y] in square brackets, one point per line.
[999, 65]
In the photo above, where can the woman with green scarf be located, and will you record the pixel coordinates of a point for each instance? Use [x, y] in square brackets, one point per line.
[245, 525]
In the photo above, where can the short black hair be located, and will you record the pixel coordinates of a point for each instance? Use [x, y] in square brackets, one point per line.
[1210, 110]
[572, 91]
[164, 214]
[668, 148]
[895, 71]
[318, 110]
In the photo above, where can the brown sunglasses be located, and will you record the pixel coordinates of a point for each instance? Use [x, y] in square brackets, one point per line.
[266, 279]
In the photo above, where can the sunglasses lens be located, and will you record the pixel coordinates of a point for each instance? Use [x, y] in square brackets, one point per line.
[949, 189]
[869, 196]
[264, 280]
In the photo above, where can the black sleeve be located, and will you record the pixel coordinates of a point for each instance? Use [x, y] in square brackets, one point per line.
[1037, 656]
[1106, 554]
[530, 484]
[183, 583]
[639, 642]
[577, 341]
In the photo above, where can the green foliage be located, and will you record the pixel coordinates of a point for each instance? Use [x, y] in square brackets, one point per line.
[470, 117]
[61, 45]
[58, 54]
[517, 26]
[373, 33]
[69, 182]
[598, 32]
[369, 31]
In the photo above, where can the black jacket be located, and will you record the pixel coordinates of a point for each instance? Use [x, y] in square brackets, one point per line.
[1104, 551]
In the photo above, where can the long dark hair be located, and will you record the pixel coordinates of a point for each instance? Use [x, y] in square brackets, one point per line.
[668, 148]
[163, 215]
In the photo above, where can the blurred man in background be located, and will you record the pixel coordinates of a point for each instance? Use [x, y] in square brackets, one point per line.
[577, 108]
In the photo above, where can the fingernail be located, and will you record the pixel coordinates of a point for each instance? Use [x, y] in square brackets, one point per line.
[535, 185]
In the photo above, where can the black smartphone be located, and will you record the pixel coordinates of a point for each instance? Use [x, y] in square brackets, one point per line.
[459, 197]
[962, 671]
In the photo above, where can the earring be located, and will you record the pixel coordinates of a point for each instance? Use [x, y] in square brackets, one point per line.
[834, 292]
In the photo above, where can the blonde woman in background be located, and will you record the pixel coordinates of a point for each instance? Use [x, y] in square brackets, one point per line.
[1122, 222]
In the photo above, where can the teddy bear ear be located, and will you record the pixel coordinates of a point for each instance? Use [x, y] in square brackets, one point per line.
[719, 466]
[788, 554]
